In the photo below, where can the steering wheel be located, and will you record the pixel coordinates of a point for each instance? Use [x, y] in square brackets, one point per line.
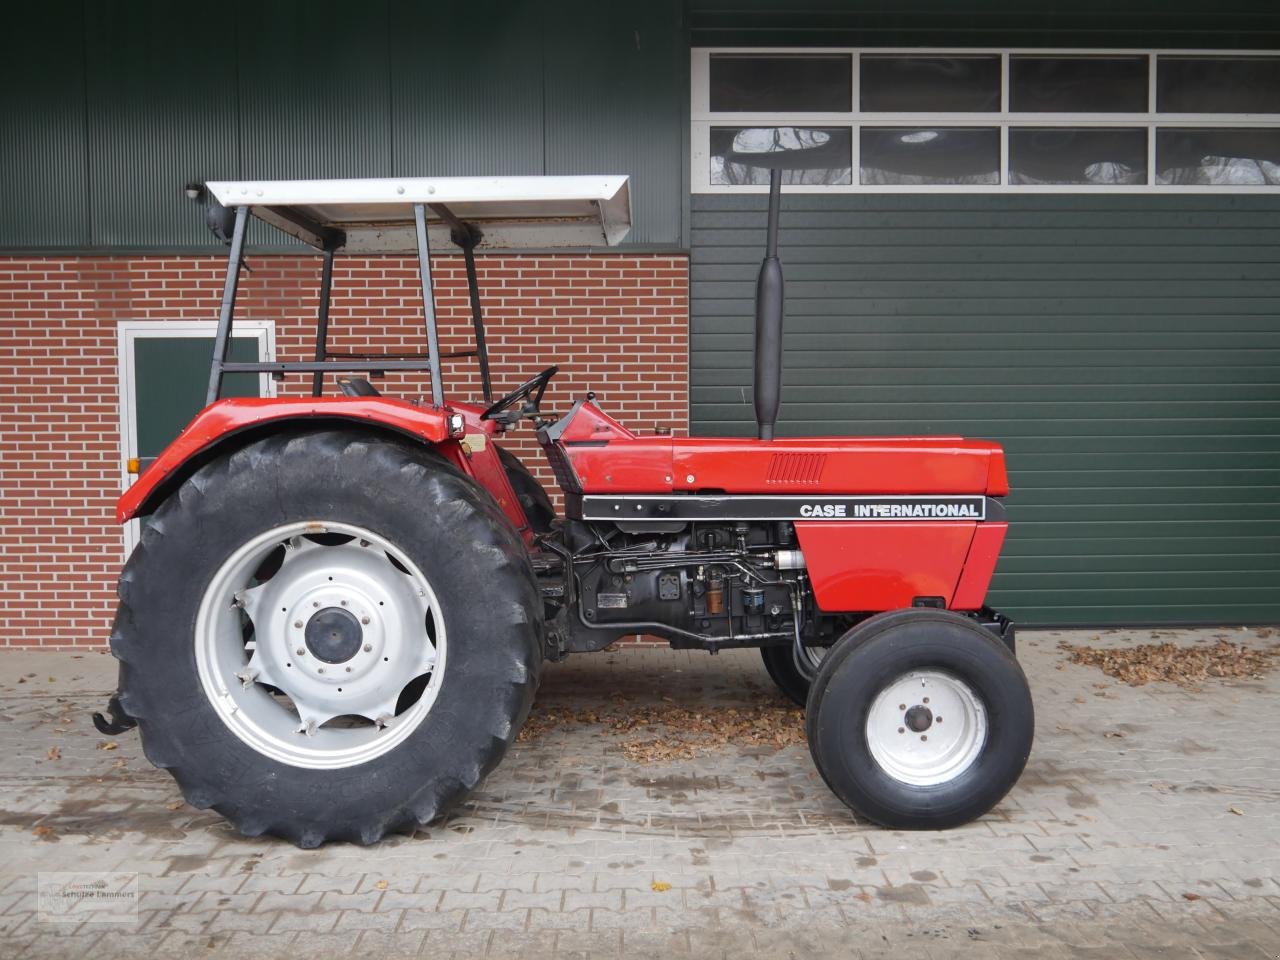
[532, 390]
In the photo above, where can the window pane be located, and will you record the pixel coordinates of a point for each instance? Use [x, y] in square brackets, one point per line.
[806, 154]
[1221, 157]
[919, 84]
[1218, 84]
[1105, 157]
[930, 155]
[755, 83]
[1078, 84]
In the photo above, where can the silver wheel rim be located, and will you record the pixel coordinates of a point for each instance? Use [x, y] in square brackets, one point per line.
[927, 727]
[339, 627]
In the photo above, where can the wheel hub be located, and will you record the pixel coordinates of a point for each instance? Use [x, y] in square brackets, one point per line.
[333, 635]
[926, 728]
[919, 718]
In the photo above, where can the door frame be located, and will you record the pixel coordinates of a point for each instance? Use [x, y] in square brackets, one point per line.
[128, 331]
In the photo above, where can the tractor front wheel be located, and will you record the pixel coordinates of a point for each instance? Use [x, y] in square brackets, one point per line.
[328, 635]
[920, 719]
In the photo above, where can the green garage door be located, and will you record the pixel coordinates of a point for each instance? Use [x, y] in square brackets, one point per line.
[1125, 350]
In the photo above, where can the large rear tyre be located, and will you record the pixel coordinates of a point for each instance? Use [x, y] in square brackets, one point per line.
[920, 719]
[533, 498]
[328, 635]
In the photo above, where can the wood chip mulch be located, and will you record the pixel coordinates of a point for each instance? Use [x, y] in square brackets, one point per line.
[664, 731]
[1187, 666]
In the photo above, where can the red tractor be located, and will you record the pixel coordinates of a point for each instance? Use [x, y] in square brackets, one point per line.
[335, 620]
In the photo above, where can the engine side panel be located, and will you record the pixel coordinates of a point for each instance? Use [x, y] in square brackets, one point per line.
[885, 565]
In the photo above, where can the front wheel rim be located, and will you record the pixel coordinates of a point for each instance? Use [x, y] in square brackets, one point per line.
[307, 637]
[926, 728]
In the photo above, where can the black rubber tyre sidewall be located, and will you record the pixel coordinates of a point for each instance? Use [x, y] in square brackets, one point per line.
[779, 662]
[875, 653]
[444, 522]
[535, 502]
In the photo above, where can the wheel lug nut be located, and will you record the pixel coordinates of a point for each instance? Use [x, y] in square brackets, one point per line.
[301, 651]
[298, 624]
[315, 603]
[364, 620]
[937, 719]
[902, 729]
[902, 706]
[922, 736]
[368, 647]
[348, 669]
[344, 603]
[321, 670]
[926, 699]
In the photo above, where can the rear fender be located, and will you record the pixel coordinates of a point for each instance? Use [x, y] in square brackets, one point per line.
[225, 426]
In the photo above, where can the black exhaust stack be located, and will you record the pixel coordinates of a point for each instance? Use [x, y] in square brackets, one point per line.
[768, 385]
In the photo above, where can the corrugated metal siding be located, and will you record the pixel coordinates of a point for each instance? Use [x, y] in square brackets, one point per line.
[111, 106]
[160, 116]
[1125, 350]
[43, 149]
[617, 103]
[1241, 24]
[481, 86]
[313, 89]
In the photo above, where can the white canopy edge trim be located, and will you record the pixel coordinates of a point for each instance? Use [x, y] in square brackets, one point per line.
[377, 214]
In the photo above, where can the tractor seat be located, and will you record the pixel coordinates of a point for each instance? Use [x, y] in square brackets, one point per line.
[357, 387]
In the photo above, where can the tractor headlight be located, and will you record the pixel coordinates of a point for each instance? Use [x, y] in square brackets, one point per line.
[457, 426]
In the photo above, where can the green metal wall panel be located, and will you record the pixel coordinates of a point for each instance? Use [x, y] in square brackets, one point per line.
[109, 107]
[43, 148]
[617, 102]
[480, 84]
[1125, 350]
[1239, 24]
[313, 89]
[159, 117]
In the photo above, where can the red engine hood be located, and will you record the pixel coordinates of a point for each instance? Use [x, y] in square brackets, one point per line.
[608, 458]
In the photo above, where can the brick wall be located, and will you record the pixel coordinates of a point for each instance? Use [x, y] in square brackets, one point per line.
[616, 324]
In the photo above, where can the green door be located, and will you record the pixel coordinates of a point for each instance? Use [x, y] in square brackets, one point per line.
[1125, 350]
[170, 377]
[165, 375]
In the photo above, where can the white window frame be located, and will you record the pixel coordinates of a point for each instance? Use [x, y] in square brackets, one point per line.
[129, 331]
[703, 119]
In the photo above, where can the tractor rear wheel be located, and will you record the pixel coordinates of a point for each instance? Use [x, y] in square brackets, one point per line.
[533, 498]
[920, 719]
[328, 635]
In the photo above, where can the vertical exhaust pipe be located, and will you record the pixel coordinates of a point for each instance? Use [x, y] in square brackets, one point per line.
[768, 385]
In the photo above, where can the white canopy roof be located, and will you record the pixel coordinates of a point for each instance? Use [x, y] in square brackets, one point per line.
[376, 216]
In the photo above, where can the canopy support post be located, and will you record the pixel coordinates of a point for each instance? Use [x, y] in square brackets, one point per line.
[322, 320]
[428, 301]
[477, 321]
[222, 341]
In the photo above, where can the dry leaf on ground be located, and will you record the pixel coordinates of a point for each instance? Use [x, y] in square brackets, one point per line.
[55, 753]
[659, 886]
[1171, 663]
[671, 732]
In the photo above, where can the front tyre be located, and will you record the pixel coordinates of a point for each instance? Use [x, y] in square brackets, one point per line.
[328, 635]
[920, 719]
